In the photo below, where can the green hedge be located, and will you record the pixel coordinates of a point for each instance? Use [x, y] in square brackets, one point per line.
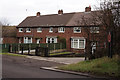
[32, 46]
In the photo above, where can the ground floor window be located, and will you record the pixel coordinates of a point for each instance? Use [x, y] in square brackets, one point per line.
[38, 41]
[51, 40]
[27, 40]
[20, 40]
[78, 43]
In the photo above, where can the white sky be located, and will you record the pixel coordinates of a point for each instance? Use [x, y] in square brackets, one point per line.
[15, 11]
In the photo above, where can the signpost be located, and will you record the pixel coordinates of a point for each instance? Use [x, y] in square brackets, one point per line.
[110, 44]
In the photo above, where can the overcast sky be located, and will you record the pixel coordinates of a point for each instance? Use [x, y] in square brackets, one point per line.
[15, 11]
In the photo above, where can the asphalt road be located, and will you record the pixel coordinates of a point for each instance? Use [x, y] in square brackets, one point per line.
[21, 67]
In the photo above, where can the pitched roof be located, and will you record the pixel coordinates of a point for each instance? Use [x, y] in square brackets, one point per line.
[9, 31]
[66, 19]
[84, 19]
[46, 20]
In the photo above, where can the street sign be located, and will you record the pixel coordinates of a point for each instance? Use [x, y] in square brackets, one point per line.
[109, 37]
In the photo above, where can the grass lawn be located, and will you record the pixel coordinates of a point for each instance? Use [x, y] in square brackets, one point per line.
[12, 54]
[100, 66]
[60, 53]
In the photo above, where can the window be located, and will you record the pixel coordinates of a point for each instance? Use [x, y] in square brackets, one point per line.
[28, 30]
[94, 29]
[51, 29]
[38, 41]
[51, 40]
[61, 29]
[20, 29]
[27, 40]
[20, 40]
[78, 43]
[39, 29]
[93, 46]
[77, 29]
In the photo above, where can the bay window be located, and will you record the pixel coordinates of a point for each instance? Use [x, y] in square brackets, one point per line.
[78, 43]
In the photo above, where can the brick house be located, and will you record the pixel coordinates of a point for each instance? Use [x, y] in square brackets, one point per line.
[47, 29]
[9, 34]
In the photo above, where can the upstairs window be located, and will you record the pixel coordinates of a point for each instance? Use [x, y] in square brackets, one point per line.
[94, 29]
[51, 29]
[61, 29]
[39, 29]
[28, 30]
[20, 29]
[77, 29]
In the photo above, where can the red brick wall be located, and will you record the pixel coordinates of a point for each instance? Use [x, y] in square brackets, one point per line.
[10, 40]
[67, 34]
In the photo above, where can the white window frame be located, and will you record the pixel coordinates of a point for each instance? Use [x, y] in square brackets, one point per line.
[77, 40]
[76, 28]
[38, 41]
[27, 30]
[94, 29]
[26, 40]
[20, 29]
[51, 39]
[61, 29]
[39, 29]
[51, 29]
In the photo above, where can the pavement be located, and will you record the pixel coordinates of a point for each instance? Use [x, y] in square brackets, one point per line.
[63, 60]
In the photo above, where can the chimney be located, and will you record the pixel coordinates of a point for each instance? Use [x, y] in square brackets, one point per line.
[88, 9]
[60, 12]
[38, 14]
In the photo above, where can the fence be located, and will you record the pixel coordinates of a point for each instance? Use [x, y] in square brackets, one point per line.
[19, 47]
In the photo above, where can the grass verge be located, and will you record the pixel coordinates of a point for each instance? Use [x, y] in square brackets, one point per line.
[11, 54]
[101, 66]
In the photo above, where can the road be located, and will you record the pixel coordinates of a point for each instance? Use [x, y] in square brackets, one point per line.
[21, 67]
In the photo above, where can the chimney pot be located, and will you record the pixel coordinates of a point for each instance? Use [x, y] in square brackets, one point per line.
[87, 9]
[38, 14]
[60, 12]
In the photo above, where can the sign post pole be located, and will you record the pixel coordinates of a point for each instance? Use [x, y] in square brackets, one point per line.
[110, 44]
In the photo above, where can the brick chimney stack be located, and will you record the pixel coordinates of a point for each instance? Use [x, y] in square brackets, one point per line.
[38, 14]
[60, 12]
[88, 9]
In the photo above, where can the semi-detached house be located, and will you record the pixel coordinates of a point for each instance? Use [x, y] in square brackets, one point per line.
[47, 28]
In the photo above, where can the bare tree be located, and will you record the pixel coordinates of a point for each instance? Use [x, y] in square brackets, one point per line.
[4, 22]
[110, 18]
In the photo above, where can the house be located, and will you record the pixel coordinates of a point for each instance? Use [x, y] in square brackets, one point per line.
[9, 34]
[47, 29]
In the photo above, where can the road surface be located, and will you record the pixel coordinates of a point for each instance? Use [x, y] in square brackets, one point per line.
[21, 67]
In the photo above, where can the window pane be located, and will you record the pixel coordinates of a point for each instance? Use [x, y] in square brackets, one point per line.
[48, 40]
[39, 29]
[52, 40]
[81, 43]
[75, 44]
[77, 29]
